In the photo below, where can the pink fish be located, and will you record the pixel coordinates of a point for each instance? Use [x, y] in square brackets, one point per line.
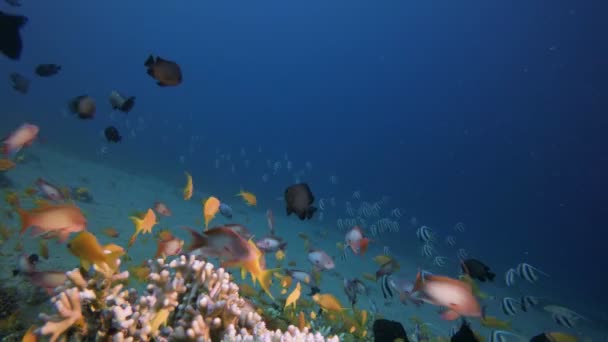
[47, 280]
[354, 238]
[455, 295]
[23, 136]
[49, 190]
[320, 260]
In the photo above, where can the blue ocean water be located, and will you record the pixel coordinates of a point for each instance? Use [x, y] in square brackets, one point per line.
[488, 113]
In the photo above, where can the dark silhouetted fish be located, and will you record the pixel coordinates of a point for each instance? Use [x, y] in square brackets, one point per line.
[84, 106]
[19, 83]
[477, 270]
[385, 330]
[10, 36]
[166, 72]
[47, 70]
[112, 134]
[464, 334]
[298, 200]
[121, 102]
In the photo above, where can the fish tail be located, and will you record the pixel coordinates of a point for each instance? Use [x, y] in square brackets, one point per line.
[137, 222]
[25, 220]
[198, 240]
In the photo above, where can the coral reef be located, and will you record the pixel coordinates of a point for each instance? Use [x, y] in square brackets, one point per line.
[186, 299]
[8, 302]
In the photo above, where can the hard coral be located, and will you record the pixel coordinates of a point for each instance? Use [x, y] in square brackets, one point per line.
[185, 300]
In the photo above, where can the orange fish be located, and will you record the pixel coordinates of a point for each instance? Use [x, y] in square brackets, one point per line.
[168, 245]
[210, 207]
[189, 188]
[455, 295]
[162, 209]
[52, 220]
[142, 225]
[23, 136]
[111, 232]
[30, 335]
[86, 247]
[249, 198]
[6, 164]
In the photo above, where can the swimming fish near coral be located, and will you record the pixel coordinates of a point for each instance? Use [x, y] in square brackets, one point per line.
[293, 297]
[143, 225]
[86, 247]
[52, 220]
[189, 188]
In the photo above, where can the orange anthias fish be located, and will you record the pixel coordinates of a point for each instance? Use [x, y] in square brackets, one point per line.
[456, 296]
[52, 220]
[354, 238]
[210, 208]
[227, 245]
[143, 225]
[168, 245]
[22, 137]
[328, 302]
[189, 188]
[249, 198]
[6, 164]
[111, 232]
[161, 209]
[86, 247]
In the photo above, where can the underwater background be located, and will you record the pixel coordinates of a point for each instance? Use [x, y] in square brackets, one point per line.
[491, 113]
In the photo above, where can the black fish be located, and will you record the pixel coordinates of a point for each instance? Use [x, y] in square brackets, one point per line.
[167, 73]
[298, 200]
[477, 270]
[112, 134]
[121, 102]
[464, 334]
[47, 70]
[540, 338]
[10, 37]
[19, 83]
[385, 331]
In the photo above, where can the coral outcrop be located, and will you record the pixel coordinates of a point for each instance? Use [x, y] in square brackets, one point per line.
[186, 299]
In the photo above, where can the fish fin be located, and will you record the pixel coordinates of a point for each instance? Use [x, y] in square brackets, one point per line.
[363, 245]
[450, 315]
[25, 220]
[150, 61]
[137, 222]
[418, 283]
[265, 278]
[301, 215]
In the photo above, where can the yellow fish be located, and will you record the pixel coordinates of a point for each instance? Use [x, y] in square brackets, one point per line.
[493, 322]
[328, 302]
[249, 198]
[293, 297]
[86, 247]
[210, 207]
[143, 225]
[189, 188]
[280, 255]
[560, 337]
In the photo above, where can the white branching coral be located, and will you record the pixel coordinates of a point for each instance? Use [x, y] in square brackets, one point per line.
[186, 299]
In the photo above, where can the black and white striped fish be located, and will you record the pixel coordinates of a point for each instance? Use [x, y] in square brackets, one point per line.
[450, 240]
[528, 302]
[385, 284]
[459, 227]
[501, 336]
[564, 321]
[529, 272]
[509, 306]
[428, 250]
[510, 277]
[425, 234]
